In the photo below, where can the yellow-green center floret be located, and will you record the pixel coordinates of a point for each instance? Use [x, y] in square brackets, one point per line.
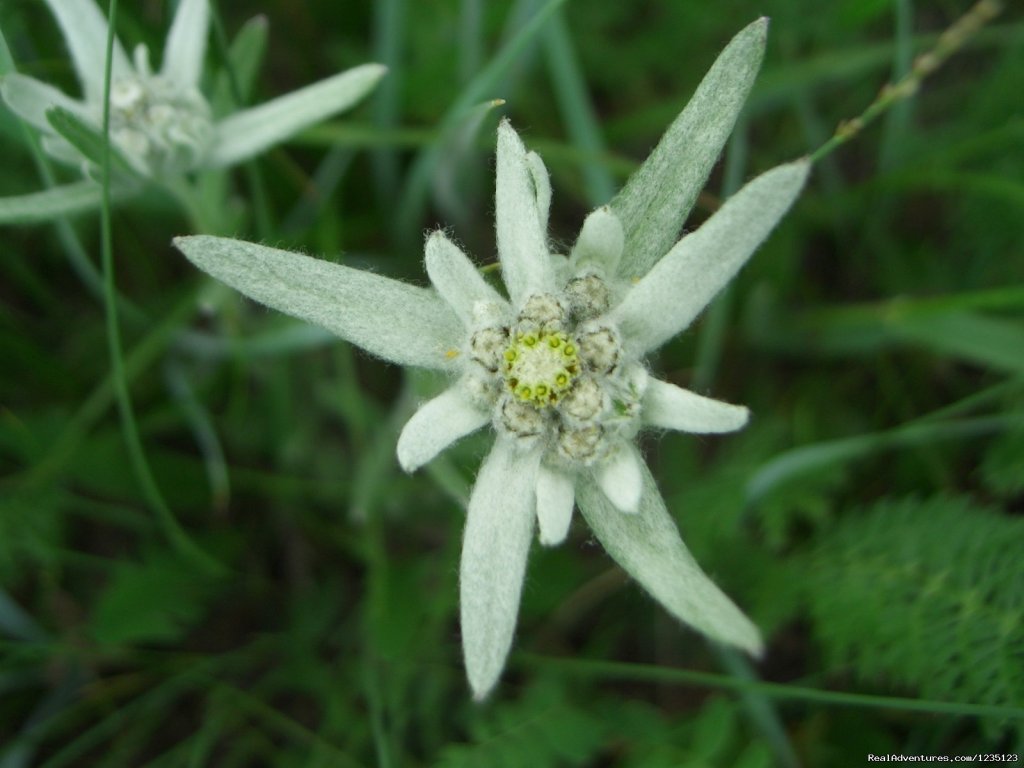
[540, 367]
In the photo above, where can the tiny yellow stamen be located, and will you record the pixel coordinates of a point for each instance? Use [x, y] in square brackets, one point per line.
[451, 354]
[540, 367]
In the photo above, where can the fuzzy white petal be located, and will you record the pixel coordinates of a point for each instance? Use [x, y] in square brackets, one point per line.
[600, 241]
[63, 151]
[51, 203]
[186, 43]
[658, 197]
[621, 479]
[522, 243]
[29, 99]
[671, 407]
[499, 527]
[679, 286]
[393, 320]
[555, 498]
[648, 547]
[85, 30]
[251, 131]
[456, 278]
[436, 425]
[541, 187]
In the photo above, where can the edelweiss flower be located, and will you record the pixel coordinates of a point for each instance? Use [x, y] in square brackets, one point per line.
[159, 121]
[556, 368]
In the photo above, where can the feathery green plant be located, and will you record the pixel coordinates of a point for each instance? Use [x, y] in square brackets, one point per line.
[926, 594]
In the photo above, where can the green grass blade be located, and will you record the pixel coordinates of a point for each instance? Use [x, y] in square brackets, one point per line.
[414, 197]
[576, 107]
[812, 458]
[201, 424]
[389, 38]
[896, 125]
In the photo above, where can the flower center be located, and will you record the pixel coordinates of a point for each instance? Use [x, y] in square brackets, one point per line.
[540, 367]
[159, 123]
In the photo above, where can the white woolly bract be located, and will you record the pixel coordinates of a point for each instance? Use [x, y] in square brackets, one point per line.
[670, 407]
[658, 197]
[555, 500]
[186, 43]
[541, 187]
[85, 31]
[29, 99]
[648, 547]
[600, 241]
[522, 243]
[620, 478]
[436, 425]
[393, 320]
[455, 277]
[679, 286]
[247, 133]
[499, 528]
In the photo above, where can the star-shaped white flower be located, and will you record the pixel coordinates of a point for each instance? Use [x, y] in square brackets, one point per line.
[556, 368]
[160, 123]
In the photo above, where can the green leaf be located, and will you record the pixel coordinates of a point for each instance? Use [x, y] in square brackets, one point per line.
[975, 338]
[88, 140]
[244, 56]
[958, 325]
[6, 60]
[658, 197]
[157, 600]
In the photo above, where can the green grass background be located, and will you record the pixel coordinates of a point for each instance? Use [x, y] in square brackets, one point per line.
[868, 519]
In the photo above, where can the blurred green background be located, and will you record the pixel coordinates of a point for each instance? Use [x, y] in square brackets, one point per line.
[869, 519]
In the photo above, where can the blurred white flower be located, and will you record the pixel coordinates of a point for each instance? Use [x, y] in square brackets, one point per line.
[160, 122]
[557, 368]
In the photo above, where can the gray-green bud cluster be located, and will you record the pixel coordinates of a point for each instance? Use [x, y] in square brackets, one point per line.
[161, 125]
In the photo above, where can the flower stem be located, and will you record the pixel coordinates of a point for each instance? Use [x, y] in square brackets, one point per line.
[611, 670]
[949, 42]
[165, 518]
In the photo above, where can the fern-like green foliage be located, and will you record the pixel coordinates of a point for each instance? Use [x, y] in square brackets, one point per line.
[540, 729]
[549, 728]
[925, 595]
